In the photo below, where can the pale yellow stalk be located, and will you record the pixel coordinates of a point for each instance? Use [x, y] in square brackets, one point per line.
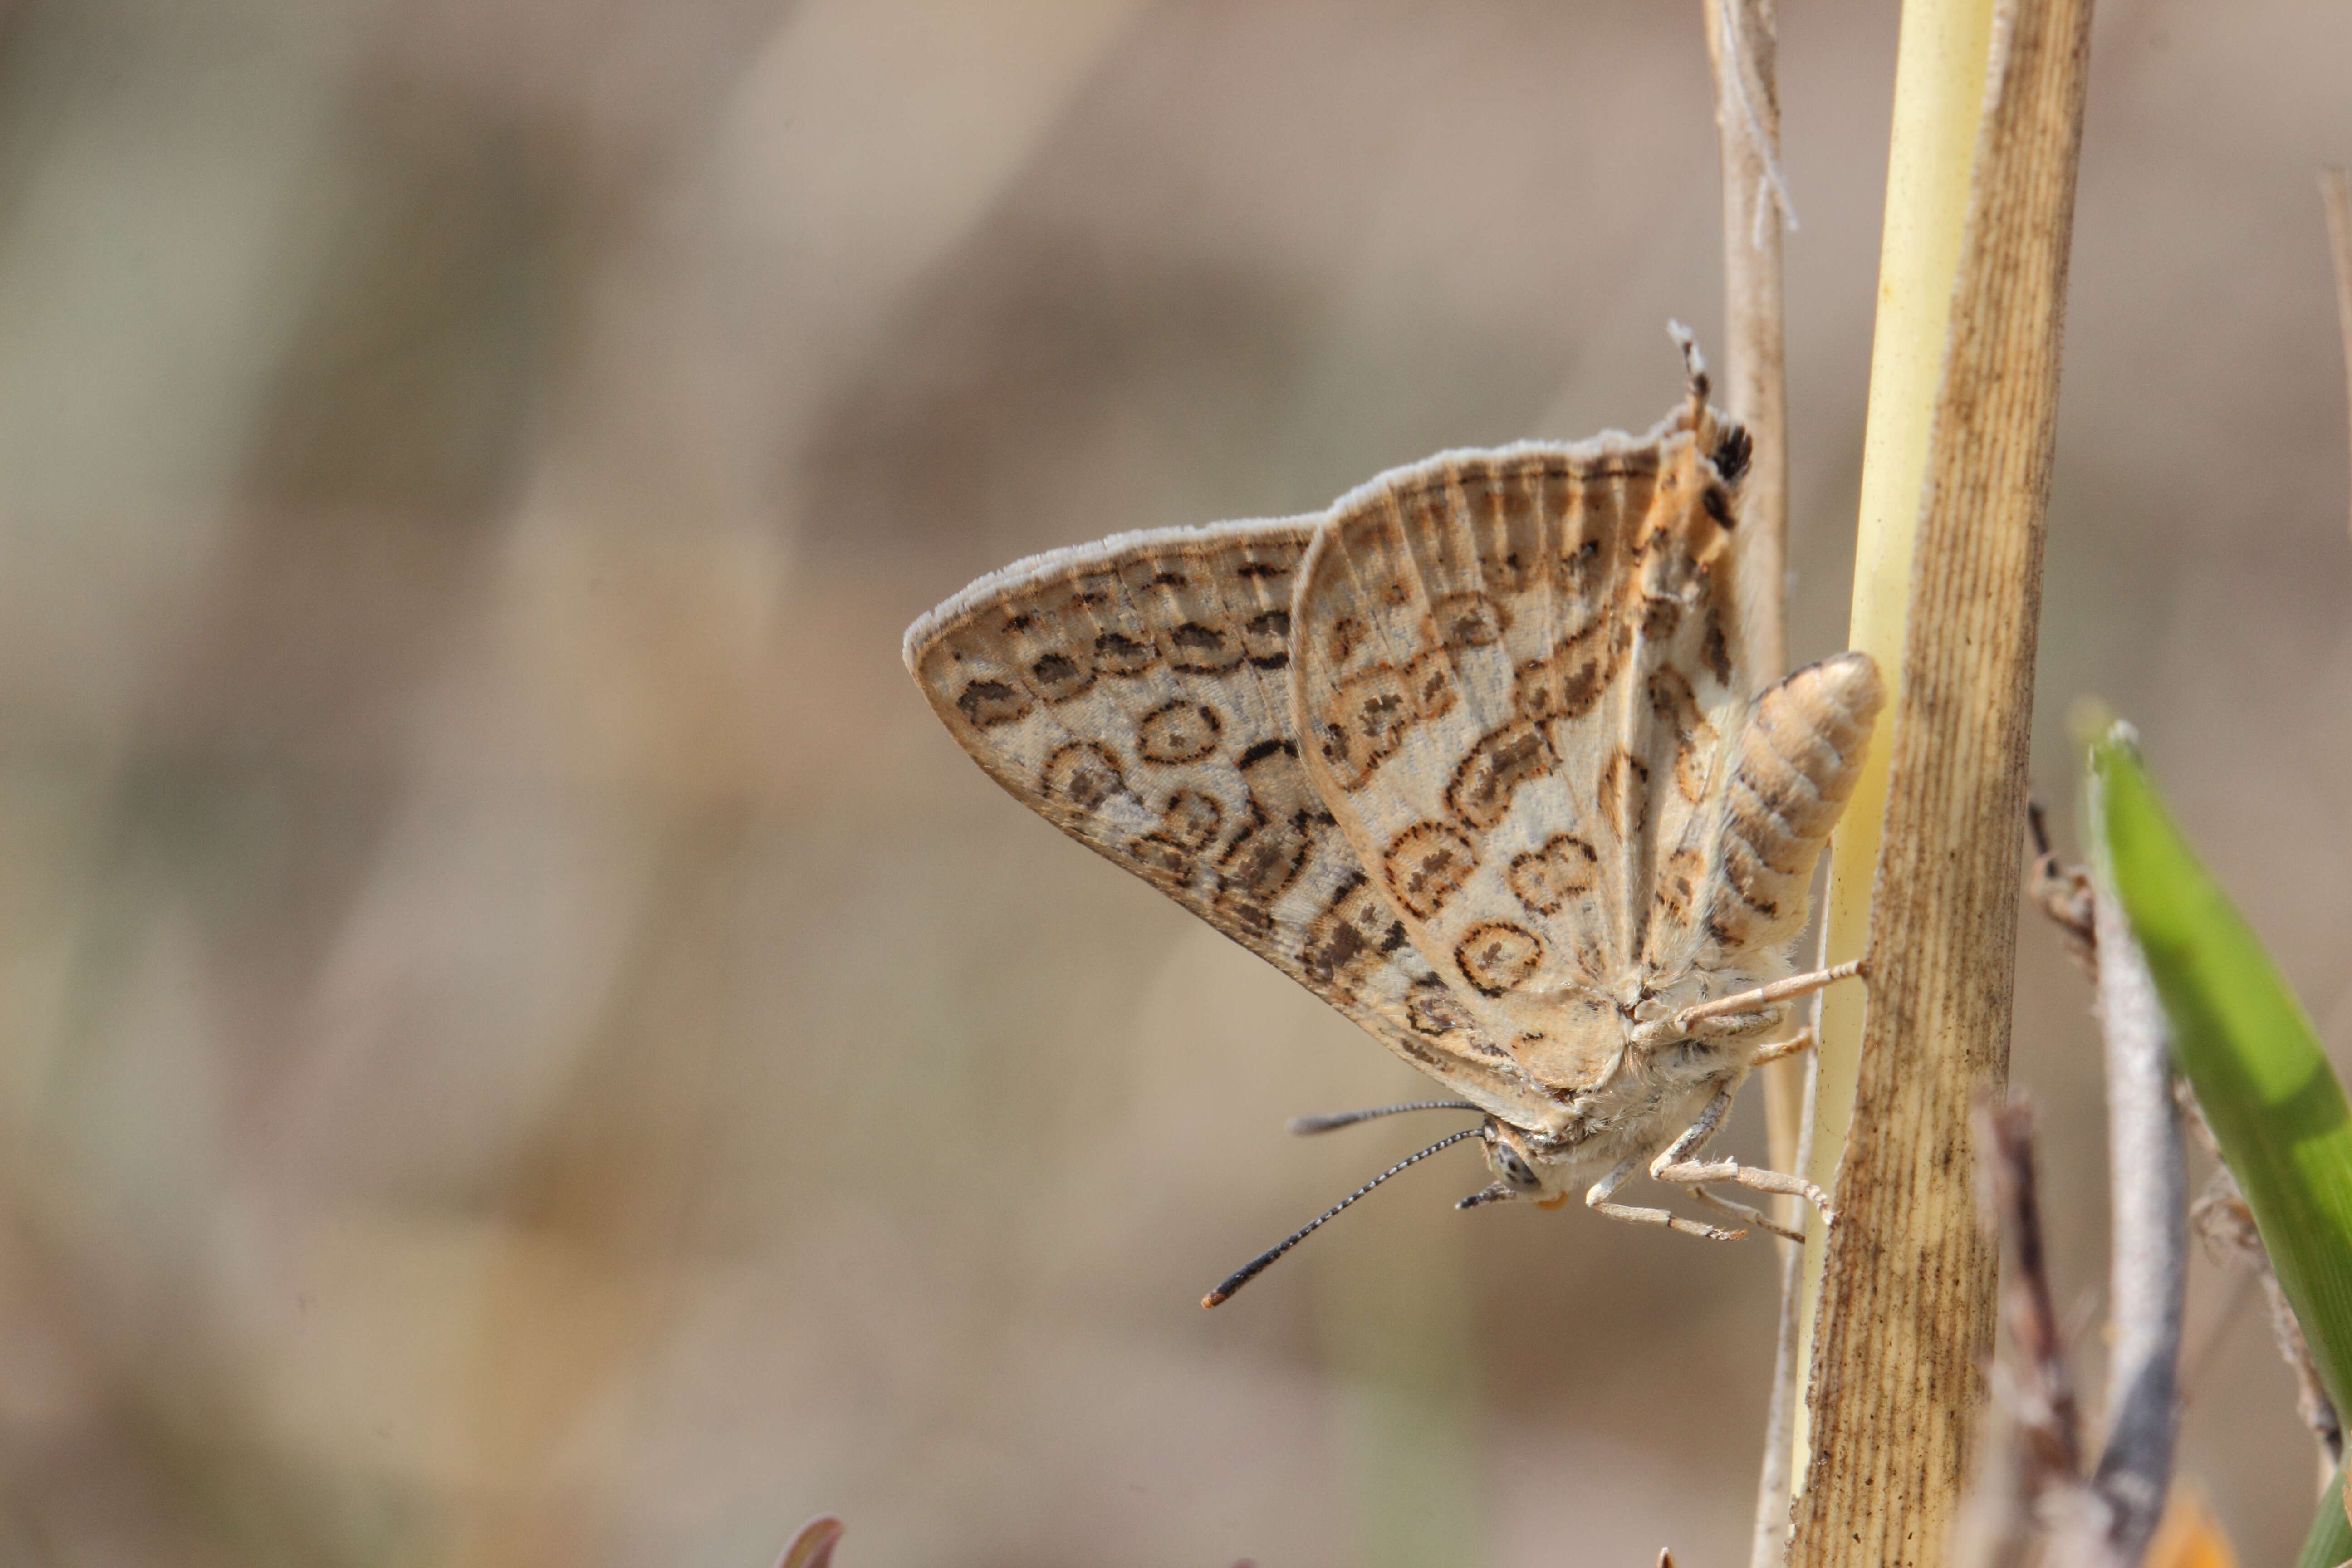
[1939, 89]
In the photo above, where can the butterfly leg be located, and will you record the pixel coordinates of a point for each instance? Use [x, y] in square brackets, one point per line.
[1745, 1215]
[1795, 1045]
[1675, 1163]
[1766, 996]
[1597, 1198]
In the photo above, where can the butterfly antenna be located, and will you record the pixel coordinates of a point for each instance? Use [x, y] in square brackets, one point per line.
[1258, 1264]
[1306, 1126]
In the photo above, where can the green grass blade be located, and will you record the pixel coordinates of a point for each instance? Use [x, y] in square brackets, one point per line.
[2273, 1099]
[2330, 1540]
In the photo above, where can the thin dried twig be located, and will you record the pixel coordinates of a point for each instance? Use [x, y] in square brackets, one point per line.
[2044, 1401]
[812, 1545]
[1743, 45]
[2029, 1465]
[2062, 892]
[2336, 190]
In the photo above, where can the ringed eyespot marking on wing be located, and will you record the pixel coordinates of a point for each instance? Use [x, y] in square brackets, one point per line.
[1496, 956]
[1060, 675]
[1266, 640]
[1544, 879]
[1467, 620]
[1434, 1014]
[1426, 864]
[988, 703]
[1349, 937]
[1496, 767]
[1115, 653]
[1364, 722]
[1568, 683]
[1429, 681]
[1178, 732]
[1084, 774]
[1192, 819]
[1263, 861]
[1203, 648]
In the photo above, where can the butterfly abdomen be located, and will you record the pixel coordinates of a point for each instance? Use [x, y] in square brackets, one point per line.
[1800, 753]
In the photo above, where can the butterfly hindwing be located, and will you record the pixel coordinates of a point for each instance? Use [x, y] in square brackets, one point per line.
[1136, 694]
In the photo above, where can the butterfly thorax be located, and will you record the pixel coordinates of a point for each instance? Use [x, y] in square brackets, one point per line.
[1656, 1080]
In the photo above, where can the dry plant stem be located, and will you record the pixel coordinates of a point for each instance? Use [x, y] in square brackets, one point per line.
[2049, 1420]
[1743, 47]
[2336, 190]
[1768, 1546]
[1940, 77]
[2149, 1278]
[1904, 1318]
[812, 1546]
[1742, 43]
[2027, 1476]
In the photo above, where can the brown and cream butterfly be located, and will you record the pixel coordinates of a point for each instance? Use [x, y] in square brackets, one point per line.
[1471, 755]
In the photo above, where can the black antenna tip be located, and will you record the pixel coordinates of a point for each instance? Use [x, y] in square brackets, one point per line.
[1265, 1259]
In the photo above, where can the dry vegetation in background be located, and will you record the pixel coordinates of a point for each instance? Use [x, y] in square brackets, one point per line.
[520, 1042]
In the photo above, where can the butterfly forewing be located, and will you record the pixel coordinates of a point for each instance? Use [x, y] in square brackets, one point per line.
[1136, 694]
[1515, 670]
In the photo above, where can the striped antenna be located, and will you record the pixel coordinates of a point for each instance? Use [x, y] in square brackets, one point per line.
[1306, 1126]
[1259, 1264]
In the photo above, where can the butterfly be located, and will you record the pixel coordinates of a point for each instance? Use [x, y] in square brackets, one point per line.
[1472, 756]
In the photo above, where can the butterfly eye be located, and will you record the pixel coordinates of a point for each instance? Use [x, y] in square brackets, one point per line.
[1516, 1171]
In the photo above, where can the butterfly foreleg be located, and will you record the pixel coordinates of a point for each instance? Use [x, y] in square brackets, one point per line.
[1597, 1198]
[1660, 1033]
[1780, 991]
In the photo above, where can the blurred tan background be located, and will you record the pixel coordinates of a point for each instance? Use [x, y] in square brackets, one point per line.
[522, 1042]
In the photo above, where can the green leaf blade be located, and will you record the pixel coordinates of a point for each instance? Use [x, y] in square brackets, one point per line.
[2246, 1045]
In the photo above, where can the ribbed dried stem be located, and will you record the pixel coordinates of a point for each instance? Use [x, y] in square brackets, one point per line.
[2336, 191]
[1939, 78]
[1906, 1316]
[1742, 43]
[1743, 46]
[2028, 1476]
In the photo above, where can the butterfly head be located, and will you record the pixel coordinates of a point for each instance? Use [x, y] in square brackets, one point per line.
[1521, 1169]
